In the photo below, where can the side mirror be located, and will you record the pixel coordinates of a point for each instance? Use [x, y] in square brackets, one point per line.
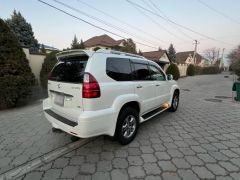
[170, 77]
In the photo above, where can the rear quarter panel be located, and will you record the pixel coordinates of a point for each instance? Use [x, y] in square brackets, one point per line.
[110, 89]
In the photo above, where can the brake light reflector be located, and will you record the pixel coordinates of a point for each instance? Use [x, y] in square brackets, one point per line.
[91, 88]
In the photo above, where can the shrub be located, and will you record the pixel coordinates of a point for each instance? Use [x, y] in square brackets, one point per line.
[190, 70]
[16, 77]
[173, 69]
[210, 70]
[49, 61]
[198, 70]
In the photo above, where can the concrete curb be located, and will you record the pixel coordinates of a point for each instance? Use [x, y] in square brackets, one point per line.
[46, 158]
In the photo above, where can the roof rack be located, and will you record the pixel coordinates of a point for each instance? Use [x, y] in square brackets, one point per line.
[120, 53]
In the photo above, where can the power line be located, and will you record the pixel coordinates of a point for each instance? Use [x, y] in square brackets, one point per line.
[173, 22]
[156, 7]
[155, 22]
[219, 12]
[119, 20]
[101, 21]
[91, 24]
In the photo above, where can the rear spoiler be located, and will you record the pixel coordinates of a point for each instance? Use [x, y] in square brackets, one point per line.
[74, 52]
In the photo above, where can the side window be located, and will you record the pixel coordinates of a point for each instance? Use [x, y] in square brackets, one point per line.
[156, 73]
[119, 69]
[141, 72]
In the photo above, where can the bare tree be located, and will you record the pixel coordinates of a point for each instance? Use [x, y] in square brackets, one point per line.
[234, 57]
[211, 55]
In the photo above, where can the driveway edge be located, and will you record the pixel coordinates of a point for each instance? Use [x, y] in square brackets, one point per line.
[46, 158]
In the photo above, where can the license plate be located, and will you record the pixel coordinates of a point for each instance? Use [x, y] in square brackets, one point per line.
[59, 99]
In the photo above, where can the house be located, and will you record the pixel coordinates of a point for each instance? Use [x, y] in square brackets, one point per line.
[187, 58]
[160, 57]
[103, 41]
[48, 49]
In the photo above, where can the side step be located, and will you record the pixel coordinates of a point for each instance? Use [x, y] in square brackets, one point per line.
[153, 113]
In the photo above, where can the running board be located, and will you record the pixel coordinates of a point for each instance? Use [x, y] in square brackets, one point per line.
[153, 113]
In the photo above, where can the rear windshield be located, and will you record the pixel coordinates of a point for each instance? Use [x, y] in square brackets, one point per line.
[69, 69]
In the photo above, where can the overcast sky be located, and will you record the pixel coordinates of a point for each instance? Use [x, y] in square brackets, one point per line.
[56, 29]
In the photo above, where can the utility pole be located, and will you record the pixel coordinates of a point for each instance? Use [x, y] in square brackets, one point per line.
[217, 56]
[221, 61]
[195, 51]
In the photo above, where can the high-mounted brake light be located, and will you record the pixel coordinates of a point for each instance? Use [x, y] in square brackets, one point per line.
[91, 88]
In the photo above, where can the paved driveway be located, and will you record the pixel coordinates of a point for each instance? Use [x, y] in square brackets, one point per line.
[200, 141]
[24, 135]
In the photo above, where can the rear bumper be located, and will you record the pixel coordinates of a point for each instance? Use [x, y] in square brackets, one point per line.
[87, 124]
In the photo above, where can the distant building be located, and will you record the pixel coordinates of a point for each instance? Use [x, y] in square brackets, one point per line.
[103, 41]
[160, 57]
[187, 58]
[48, 49]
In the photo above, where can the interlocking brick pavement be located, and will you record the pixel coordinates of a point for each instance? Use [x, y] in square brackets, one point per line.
[199, 141]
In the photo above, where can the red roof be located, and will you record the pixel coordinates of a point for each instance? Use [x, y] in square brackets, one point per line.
[181, 57]
[154, 55]
[103, 40]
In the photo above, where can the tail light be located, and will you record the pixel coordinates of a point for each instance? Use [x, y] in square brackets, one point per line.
[91, 88]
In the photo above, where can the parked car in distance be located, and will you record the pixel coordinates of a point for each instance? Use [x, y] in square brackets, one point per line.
[106, 93]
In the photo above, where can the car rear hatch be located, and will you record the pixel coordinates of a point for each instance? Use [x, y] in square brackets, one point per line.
[65, 83]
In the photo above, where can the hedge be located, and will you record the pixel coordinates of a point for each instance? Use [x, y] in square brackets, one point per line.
[207, 70]
[49, 61]
[191, 70]
[173, 69]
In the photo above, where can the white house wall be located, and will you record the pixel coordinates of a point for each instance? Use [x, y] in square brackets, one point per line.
[35, 63]
[164, 58]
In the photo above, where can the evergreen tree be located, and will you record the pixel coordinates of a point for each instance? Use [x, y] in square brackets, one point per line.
[76, 45]
[23, 31]
[140, 52]
[172, 53]
[82, 46]
[16, 77]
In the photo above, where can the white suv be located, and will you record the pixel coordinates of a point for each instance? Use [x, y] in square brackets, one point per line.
[106, 93]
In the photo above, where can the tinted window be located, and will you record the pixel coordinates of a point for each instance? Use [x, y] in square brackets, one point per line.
[141, 72]
[69, 69]
[119, 69]
[156, 73]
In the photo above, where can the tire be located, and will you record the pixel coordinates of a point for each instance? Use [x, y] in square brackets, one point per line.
[127, 125]
[175, 102]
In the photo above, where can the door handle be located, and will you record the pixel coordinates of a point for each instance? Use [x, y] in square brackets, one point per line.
[157, 84]
[139, 86]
